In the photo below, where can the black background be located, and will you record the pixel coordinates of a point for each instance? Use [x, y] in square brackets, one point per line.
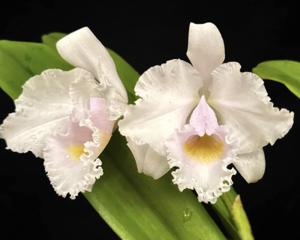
[147, 34]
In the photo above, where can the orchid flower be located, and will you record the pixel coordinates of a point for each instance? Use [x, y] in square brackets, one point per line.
[67, 117]
[201, 119]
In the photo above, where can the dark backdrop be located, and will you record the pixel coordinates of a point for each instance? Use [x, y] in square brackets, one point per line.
[147, 34]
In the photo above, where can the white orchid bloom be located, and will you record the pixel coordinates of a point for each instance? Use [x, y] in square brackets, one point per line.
[201, 118]
[67, 117]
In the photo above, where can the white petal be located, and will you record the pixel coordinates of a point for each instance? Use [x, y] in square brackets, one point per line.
[209, 178]
[205, 47]
[42, 108]
[71, 173]
[99, 115]
[242, 103]
[251, 166]
[84, 88]
[81, 90]
[169, 93]
[139, 153]
[82, 49]
[148, 161]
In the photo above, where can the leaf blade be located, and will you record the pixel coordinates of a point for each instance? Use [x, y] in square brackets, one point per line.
[51, 39]
[127, 226]
[241, 220]
[13, 75]
[21, 60]
[230, 210]
[286, 72]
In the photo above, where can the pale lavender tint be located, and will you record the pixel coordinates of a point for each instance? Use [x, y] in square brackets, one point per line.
[203, 119]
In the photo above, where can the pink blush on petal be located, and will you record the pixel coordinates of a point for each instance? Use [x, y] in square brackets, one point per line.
[76, 135]
[99, 115]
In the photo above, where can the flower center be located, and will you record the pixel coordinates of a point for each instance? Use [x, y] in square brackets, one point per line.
[75, 151]
[204, 149]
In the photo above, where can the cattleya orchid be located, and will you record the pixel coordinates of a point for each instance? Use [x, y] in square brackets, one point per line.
[202, 118]
[67, 117]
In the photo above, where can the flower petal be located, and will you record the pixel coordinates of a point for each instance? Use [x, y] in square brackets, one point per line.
[100, 116]
[251, 166]
[242, 104]
[210, 177]
[82, 49]
[71, 159]
[81, 90]
[205, 48]
[42, 108]
[148, 161]
[169, 93]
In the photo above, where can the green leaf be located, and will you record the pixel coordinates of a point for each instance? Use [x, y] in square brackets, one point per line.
[51, 39]
[230, 210]
[135, 206]
[13, 75]
[286, 72]
[21, 60]
[240, 219]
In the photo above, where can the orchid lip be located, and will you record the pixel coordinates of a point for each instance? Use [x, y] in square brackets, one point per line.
[205, 149]
[75, 151]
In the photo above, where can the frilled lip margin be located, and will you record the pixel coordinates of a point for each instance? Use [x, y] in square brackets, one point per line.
[89, 166]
